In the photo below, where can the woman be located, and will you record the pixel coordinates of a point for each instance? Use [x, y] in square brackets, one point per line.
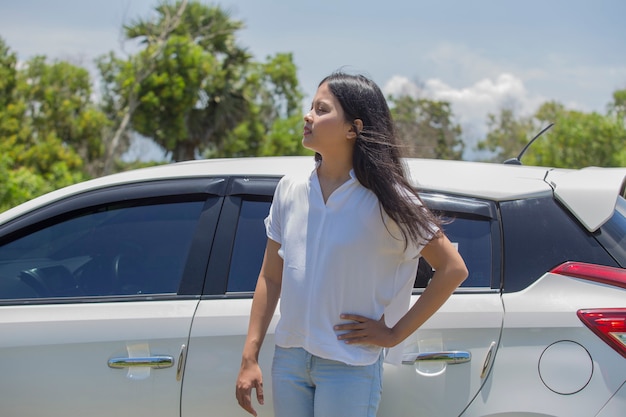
[342, 252]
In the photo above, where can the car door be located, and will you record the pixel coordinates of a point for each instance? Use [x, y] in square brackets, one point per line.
[221, 321]
[446, 361]
[97, 294]
[469, 323]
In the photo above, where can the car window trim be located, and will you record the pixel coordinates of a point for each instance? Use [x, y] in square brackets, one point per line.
[240, 188]
[193, 278]
[109, 195]
[461, 206]
[208, 189]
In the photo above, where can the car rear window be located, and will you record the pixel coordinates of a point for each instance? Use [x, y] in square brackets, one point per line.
[539, 234]
[612, 234]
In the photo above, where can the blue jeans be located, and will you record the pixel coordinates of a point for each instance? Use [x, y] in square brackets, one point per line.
[308, 386]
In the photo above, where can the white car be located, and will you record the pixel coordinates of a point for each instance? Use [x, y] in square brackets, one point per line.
[129, 295]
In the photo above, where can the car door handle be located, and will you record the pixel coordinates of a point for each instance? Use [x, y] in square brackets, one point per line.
[451, 357]
[156, 362]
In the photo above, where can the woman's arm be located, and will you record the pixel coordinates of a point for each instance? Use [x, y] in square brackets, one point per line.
[450, 272]
[264, 303]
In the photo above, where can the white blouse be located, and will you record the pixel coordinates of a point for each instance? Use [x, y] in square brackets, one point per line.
[342, 256]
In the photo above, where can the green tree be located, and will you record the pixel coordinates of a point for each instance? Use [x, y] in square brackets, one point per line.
[427, 127]
[617, 108]
[195, 92]
[618, 105]
[16, 184]
[122, 80]
[49, 129]
[205, 95]
[576, 140]
[274, 122]
[507, 134]
[117, 102]
[59, 108]
[8, 74]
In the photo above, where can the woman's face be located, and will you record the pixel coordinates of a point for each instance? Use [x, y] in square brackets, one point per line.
[325, 128]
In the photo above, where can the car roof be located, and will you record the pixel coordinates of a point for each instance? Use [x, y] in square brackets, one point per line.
[491, 181]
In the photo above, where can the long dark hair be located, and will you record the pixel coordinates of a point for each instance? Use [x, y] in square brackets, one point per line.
[377, 155]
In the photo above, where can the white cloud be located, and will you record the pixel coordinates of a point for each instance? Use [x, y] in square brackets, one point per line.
[399, 85]
[471, 104]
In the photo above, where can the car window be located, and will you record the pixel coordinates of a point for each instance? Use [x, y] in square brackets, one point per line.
[249, 246]
[539, 234]
[471, 235]
[612, 234]
[108, 251]
[472, 238]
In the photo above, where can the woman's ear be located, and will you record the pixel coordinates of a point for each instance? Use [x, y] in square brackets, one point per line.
[355, 129]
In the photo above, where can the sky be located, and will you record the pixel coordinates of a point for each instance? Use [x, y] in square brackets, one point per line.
[479, 55]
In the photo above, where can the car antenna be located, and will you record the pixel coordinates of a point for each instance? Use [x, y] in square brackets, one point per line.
[517, 161]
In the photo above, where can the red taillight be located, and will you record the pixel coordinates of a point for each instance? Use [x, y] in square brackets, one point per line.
[608, 324]
[599, 273]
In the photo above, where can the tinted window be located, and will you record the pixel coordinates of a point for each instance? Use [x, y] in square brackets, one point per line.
[472, 236]
[539, 235]
[112, 250]
[612, 234]
[248, 247]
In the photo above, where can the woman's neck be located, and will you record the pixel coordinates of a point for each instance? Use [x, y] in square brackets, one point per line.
[332, 176]
[334, 171]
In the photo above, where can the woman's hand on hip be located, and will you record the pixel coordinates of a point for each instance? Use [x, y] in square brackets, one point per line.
[365, 331]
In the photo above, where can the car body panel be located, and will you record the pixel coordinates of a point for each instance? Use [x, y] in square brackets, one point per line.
[616, 405]
[54, 358]
[216, 339]
[467, 323]
[536, 318]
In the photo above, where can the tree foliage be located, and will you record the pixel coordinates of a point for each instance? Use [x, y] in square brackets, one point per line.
[273, 125]
[122, 80]
[617, 107]
[205, 95]
[427, 127]
[576, 140]
[58, 97]
[507, 134]
[49, 129]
